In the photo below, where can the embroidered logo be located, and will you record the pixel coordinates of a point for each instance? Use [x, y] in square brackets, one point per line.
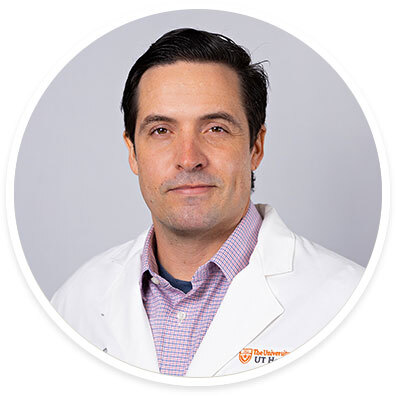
[245, 355]
[260, 355]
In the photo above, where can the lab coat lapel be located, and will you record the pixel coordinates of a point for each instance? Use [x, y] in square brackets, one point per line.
[247, 309]
[127, 318]
[249, 305]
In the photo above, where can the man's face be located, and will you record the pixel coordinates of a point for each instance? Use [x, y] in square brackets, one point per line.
[192, 147]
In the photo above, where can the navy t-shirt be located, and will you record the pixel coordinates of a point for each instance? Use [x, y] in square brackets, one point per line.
[182, 285]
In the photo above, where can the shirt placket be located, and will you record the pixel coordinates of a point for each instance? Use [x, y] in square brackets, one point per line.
[171, 337]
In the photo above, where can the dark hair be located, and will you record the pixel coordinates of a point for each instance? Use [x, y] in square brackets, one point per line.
[192, 45]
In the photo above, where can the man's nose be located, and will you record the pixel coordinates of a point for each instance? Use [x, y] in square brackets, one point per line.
[190, 153]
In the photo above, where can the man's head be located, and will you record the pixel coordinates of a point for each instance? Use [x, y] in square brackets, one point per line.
[194, 111]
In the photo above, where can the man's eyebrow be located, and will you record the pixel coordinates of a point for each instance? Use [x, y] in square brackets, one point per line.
[222, 116]
[154, 118]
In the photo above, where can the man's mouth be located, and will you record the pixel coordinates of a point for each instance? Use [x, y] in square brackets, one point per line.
[190, 189]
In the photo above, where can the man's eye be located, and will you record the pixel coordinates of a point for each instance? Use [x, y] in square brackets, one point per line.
[217, 129]
[159, 131]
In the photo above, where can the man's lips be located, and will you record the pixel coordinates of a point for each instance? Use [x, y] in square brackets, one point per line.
[192, 189]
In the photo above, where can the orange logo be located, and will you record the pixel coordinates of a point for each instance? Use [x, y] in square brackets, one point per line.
[245, 355]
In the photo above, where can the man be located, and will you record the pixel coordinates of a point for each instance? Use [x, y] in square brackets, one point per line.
[217, 285]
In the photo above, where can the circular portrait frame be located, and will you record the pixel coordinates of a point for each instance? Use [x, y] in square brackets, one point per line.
[228, 379]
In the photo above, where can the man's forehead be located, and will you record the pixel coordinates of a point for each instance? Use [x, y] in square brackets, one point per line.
[189, 87]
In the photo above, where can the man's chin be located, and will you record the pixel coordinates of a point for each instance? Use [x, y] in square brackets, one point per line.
[191, 222]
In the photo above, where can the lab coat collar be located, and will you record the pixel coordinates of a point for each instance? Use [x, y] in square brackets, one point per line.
[248, 307]
[275, 244]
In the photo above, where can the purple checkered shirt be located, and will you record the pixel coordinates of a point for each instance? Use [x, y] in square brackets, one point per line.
[179, 321]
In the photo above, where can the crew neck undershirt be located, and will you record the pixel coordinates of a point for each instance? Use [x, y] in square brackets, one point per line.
[182, 285]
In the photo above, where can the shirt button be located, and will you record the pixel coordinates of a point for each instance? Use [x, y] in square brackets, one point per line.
[155, 280]
[181, 316]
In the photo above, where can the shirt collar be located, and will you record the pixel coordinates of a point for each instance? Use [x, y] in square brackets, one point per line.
[231, 258]
[149, 263]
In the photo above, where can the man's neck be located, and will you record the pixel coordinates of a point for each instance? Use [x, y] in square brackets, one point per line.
[182, 254]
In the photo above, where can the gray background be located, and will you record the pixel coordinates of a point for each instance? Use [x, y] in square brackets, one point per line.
[75, 195]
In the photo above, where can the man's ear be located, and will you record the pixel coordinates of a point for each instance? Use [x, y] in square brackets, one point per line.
[257, 152]
[132, 155]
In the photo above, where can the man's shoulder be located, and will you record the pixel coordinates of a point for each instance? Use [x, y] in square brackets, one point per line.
[302, 259]
[324, 264]
[319, 277]
[92, 280]
[103, 264]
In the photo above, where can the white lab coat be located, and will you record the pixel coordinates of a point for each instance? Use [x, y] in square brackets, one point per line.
[289, 291]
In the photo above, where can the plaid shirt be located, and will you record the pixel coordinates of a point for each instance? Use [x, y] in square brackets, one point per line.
[179, 321]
